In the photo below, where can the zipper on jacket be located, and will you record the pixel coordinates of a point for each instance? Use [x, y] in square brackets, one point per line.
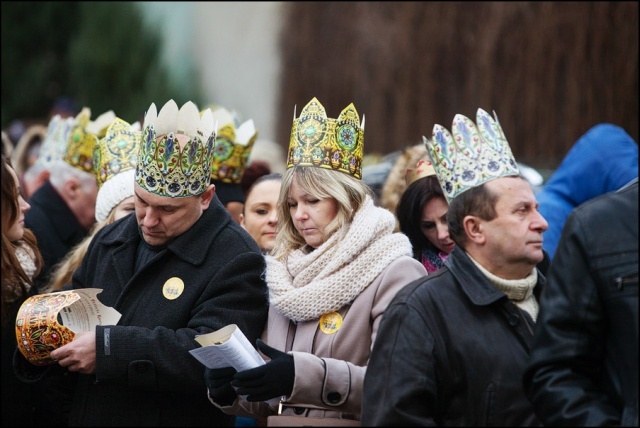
[626, 278]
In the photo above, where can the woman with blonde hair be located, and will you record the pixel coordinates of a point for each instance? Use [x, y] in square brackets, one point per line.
[335, 266]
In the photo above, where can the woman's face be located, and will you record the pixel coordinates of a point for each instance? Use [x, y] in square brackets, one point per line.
[125, 207]
[310, 216]
[260, 215]
[433, 224]
[15, 231]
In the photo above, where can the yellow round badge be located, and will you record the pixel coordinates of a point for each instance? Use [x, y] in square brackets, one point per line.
[173, 288]
[330, 323]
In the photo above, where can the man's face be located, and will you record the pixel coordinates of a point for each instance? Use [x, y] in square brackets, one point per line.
[85, 205]
[514, 237]
[162, 218]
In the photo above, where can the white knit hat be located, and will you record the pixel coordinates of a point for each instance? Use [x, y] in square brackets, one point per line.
[113, 191]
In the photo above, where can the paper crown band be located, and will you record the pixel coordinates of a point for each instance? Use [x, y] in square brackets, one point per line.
[322, 142]
[165, 166]
[470, 155]
[233, 147]
[423, 168]
[84, 137]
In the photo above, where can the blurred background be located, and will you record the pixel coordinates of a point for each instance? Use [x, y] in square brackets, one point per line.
[550, 70]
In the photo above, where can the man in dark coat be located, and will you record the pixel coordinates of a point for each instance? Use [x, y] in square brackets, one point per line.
[179, 268]
[452, 347]
[583, 369]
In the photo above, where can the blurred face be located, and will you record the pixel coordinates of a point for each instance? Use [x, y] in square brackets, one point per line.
[260, 214]
[433, 224]
[310, 215]
[83, 203]
[162, 218]
[125, 207]
[15, 231]
[514, 237]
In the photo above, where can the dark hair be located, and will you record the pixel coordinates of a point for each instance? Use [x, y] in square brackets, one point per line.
[478, 201]
[274, 176]
[252, 172]
[409, 211]
[14, 279]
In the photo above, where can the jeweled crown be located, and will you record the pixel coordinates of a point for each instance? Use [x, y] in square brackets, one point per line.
[233, 145]
[83, 138]
[470, 155]
[117, 151]
[54, 145]
[165, 166]
[423, 168]
[319, 141]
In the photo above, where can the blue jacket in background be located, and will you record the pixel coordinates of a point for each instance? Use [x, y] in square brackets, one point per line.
[604, 159]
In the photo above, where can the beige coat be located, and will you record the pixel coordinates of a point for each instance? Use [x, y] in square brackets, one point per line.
[330, 368]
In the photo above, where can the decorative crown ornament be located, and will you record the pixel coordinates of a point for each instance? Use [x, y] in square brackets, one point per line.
[83, 138]
[470, 155]
[117, 151]
[166, 165]
[233, 146]
[318, 141]
[423, 168]
[54, 144]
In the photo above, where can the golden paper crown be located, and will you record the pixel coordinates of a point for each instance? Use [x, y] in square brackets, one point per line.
[423, 168]
[472, 155]
[54, 145]
[322, 142]
[164, 167]
[233, 146]
[84, 137]
[117, 151]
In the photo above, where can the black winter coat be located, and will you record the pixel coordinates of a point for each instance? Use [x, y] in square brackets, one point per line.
[584, 362]
[450, 351]
[145, 375]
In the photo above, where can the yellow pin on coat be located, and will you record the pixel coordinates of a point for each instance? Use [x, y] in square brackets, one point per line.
[173, 288]
[330, 323]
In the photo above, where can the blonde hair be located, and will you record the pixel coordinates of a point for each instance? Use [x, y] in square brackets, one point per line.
[349, 193]
[63, 271]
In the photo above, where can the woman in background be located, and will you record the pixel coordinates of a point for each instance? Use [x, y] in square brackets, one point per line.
[259, 216]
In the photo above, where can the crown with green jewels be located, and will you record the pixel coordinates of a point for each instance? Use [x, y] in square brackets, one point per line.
[83, 138]
[470, 155]
[233, 145]
[165, 166]
[319, 141]
[117, 151]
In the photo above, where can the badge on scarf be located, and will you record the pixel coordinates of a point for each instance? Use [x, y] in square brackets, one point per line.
[330, 323]
[173, 288]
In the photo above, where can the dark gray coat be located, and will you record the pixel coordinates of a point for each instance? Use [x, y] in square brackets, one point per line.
[145, 375]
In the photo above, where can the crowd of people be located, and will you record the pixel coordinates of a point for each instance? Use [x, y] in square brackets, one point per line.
[436, 300]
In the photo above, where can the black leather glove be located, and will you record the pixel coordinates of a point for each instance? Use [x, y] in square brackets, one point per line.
[273, 379]
[219, 384]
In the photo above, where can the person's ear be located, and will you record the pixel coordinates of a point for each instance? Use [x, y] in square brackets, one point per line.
[42, 177]
[207, 196]
[72, 188]
[473, 227]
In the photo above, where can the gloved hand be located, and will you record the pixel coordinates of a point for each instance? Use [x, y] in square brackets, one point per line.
[273, 379]
[219, 384]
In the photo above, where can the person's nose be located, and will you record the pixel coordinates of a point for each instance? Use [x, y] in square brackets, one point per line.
[150, 218]
[273, 217]
[443, 231]
[24, 205]
[539, 223]
[299, 213]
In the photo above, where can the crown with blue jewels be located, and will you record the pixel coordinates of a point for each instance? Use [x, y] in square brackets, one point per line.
[234, 143]
[54, 145]
[83, 138]
[470, 155]
[168, 167]
[319, 141]
[117, 151]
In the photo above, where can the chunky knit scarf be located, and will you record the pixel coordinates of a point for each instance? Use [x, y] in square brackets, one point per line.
[519, 291]
[306, 286]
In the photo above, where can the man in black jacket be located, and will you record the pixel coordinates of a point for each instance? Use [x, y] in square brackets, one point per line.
[179, 268]
[583, 369]
[452, 347]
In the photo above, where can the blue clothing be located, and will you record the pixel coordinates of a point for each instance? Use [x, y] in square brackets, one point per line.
[604, 159]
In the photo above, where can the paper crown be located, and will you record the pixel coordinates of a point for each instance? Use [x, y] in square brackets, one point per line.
[83, 138]
[470, 155]
[233, 146]
[115, 159]
[423, 168]
[165, 166]
[54, 145]
[318, 141]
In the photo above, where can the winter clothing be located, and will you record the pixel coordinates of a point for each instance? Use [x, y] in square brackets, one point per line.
[583, 368]
[451, 352]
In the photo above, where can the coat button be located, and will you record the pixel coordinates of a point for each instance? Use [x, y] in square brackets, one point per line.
[298, 410]
[333, 397]
[514, 320]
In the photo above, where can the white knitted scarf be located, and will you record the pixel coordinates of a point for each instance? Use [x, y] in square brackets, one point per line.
[307, 286]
